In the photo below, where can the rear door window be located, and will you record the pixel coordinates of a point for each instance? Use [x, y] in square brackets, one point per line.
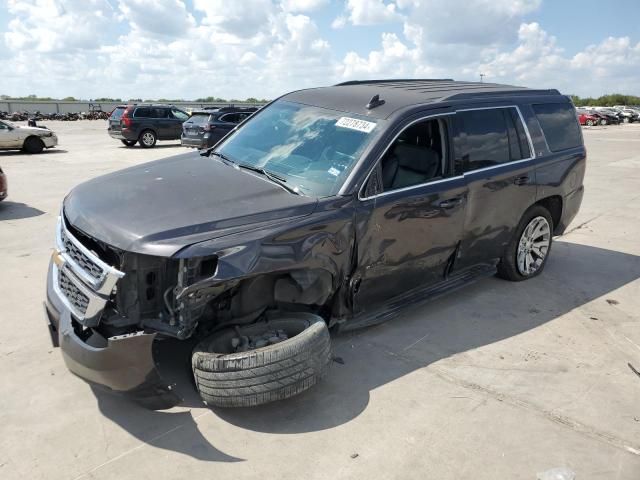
[518, 143]
[559, 124]
[229, 118]
[489, 137]
[482, 139]
[159, 112]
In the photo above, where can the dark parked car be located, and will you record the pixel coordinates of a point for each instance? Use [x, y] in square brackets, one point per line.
[330, 208]
[146, 124]
[4, 187]
[206, 127]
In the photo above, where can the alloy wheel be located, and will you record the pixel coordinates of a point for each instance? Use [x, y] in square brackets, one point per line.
[533, 246]
[148, 138]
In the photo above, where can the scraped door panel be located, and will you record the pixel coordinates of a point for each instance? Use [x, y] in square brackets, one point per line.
[407, 238]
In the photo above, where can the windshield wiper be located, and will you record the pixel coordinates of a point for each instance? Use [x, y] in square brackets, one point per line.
[221, 157]
[271, 176]
[281, 181]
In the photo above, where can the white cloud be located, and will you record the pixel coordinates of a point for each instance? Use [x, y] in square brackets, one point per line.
[241, 19]
[394, 59]
[472, 22]
[263, 48]
[302, 6]
[368, 12]
[167, 17]
[52, 26]
[339, 22]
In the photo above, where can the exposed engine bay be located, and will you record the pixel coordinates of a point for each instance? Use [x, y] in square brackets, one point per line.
[177, 297]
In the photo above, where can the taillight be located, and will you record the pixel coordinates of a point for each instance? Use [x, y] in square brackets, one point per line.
[125, 120]
[208, 127]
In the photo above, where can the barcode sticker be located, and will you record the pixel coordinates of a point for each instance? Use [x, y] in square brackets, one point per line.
[355, 124]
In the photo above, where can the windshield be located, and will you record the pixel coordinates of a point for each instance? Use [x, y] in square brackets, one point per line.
[313, 149]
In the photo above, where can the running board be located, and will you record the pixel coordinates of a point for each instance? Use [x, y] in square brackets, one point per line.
[419, 296]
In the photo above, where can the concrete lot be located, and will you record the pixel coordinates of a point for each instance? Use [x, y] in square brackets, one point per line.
[497, 381]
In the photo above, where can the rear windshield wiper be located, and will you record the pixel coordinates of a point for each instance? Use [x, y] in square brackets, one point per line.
[271, 176]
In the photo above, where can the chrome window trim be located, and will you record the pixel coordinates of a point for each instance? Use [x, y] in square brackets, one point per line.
[412, 187]
[360, 191]
[532, 154]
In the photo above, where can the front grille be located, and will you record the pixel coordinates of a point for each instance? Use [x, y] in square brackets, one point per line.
[80, 258]
[78, 299]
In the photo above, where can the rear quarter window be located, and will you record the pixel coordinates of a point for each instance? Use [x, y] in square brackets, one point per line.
[142, 112]
[559, 125]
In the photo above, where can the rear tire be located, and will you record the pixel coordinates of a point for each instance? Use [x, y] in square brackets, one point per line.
[267, 374]
[148, 139]
[128, 143]
[509, 267]
[33, 145]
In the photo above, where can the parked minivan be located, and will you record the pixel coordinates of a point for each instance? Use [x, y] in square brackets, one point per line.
[330, 208]
[146, 124]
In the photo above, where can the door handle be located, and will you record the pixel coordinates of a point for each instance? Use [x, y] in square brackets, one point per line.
[521, 180]
[452, 202]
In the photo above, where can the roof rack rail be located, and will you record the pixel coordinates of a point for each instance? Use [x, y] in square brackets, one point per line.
[237, 108]
[393, 80]
[515, 91]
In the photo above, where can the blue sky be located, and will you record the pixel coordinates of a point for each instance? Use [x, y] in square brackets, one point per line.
[263, 48]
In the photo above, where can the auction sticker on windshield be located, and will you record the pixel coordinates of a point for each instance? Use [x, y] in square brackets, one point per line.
[355, 124]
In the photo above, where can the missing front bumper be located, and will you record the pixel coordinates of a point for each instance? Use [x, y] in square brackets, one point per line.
[122, 365]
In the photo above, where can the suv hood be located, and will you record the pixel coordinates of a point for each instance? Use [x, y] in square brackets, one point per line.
[160, 207]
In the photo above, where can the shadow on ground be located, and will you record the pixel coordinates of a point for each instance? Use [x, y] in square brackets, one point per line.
[486, 312]
[15, 153]
[16, 211]
[156, 146]
[175, 431]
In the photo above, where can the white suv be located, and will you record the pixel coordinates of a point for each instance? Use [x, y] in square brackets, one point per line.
[29, 139]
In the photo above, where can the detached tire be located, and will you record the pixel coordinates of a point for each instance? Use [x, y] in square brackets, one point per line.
[267, 374]
[33, 145]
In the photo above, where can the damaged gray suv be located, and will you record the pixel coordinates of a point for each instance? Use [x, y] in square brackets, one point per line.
[329, 209]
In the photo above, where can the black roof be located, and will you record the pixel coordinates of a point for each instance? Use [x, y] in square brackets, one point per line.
[212, 110]
[354, 96]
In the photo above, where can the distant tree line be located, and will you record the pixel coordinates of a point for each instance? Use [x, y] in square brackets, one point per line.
[606, 100]
[35, 98]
